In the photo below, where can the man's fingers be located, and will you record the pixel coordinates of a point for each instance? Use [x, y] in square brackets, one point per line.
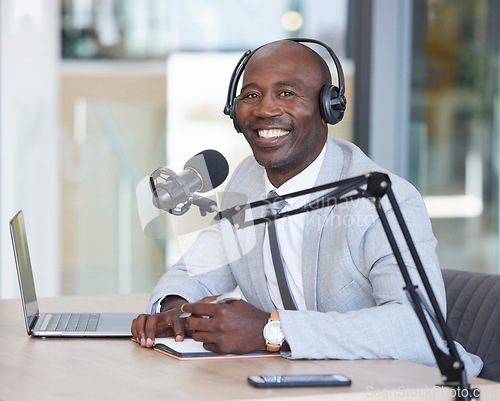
[152, 327]
[200, 308]
[146, 328]
[137, 328]
[178, 327]
[198, 324]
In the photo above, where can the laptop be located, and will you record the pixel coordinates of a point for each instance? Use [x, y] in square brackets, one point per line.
[58, 324]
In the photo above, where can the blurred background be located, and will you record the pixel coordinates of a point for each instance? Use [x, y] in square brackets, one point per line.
[96, 94]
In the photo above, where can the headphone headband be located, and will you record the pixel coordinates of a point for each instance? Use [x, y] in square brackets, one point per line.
[332, 98]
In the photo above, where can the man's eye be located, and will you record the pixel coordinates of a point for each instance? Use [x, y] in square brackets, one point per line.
[286, 93]
[250, 96]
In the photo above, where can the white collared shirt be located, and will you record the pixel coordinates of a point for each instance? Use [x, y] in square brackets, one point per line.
[290, 232]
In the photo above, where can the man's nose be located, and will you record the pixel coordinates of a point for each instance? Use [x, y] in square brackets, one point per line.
[268, 106]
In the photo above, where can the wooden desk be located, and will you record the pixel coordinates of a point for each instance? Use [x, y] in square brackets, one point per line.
[118, 369]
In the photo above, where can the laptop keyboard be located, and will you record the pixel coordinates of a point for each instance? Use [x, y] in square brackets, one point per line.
[73, 322]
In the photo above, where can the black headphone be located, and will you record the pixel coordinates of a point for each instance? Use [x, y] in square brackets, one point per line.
[332, 101]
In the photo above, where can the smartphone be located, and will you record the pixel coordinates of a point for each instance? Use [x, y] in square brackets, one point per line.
[299, 380]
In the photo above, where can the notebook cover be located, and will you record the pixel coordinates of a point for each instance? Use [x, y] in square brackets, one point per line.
[190, 349]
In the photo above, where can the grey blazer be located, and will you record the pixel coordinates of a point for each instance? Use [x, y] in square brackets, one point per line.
[356, 305]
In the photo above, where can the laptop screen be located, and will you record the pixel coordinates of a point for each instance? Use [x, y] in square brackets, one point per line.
[24, 271]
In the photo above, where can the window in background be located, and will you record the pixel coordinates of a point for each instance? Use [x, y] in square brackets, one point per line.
[119, 60]
[455, 150]
[151, 29]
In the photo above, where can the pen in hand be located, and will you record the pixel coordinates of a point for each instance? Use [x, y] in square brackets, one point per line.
[230, 296]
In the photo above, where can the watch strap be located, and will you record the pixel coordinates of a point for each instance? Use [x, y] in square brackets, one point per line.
[273, 347]
[275, 316]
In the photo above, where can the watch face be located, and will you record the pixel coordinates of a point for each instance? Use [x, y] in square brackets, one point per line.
[273, 333]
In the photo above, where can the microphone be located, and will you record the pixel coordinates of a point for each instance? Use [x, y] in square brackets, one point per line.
[174, 193]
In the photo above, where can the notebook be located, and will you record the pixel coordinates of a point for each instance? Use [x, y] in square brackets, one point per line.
[190, 349]
[58, 324]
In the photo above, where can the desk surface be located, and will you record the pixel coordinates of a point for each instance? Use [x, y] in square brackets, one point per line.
[118, 369]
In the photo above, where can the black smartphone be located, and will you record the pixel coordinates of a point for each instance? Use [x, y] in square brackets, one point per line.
[299, 380]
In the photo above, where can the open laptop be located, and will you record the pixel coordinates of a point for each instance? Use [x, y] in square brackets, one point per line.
[58, 324]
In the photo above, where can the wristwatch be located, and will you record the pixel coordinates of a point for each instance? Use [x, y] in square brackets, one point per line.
[272, 333]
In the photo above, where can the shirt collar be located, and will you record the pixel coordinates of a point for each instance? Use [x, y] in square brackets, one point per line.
[304, 180]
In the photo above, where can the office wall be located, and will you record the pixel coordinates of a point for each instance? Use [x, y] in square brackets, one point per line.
[29, 156]
[113, 134]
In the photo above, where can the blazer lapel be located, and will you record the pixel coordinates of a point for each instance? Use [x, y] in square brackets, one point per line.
[255, 260]
[257, 274]
[331, 171]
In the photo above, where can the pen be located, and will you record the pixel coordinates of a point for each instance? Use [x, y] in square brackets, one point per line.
[230, 296]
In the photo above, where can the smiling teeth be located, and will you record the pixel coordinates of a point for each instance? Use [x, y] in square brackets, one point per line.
[272, 133]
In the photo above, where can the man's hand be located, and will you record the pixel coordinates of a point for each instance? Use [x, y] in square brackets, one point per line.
[231, 328]
[145, 328]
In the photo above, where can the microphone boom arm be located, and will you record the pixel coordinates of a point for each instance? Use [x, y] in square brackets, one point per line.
[376, 185]
[450, 365]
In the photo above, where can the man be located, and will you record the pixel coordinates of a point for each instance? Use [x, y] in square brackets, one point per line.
[342, 275]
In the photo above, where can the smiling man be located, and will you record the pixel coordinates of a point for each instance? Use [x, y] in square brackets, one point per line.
[278, 108]
[344, 282]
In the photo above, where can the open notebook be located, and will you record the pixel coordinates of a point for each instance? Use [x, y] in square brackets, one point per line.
[190, 349]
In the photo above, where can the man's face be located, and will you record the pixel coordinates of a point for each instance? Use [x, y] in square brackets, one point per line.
[278, 110]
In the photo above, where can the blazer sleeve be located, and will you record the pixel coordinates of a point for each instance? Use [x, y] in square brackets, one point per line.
[205, 268]
[374, 317]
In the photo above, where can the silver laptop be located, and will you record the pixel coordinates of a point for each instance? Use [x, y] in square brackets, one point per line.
[58, 324]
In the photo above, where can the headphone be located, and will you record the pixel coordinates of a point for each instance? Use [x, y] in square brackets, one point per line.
[332, 101]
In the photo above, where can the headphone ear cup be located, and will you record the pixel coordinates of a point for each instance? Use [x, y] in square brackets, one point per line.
[332, 106]
[233, 114]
